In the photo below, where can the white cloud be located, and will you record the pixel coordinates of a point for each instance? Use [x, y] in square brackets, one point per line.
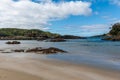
[117, 2]
[87, 30]
[111, 20]
[28, 14]
[96, 29]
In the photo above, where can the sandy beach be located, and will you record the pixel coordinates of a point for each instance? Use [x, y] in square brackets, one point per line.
[7, 74]
[25, 68]
[59, 39]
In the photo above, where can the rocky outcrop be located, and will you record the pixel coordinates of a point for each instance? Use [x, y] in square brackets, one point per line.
[71, 37]
[57, 40]
[19, 50]
[50, 50]
[37, 49]
[112, 38]
[114, 34]
[13, 42]
[42, 38]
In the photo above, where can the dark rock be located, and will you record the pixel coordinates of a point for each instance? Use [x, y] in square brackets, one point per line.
[21, 50]
[12, 42]
[71, 37]
[115, 38]
[57, 40]
[1, 50]
[50, 50]
[34, 49]
[42, 39]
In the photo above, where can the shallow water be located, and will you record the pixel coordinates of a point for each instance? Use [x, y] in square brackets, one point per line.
[95, 52]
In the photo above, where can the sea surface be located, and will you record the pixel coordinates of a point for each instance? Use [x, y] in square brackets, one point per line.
[92, 51]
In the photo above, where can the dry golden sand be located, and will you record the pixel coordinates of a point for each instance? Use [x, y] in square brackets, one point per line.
[26, 68]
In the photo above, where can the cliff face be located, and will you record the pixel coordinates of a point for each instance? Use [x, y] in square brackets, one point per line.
[114, 34]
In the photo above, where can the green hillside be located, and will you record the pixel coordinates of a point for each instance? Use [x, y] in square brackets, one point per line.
[114, 34]
[4, 32]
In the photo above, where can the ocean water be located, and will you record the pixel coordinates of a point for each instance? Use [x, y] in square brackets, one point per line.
[93, 51]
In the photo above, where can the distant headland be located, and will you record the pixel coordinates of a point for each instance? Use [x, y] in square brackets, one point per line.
[114, 33]
[36, 34]
[32, 34]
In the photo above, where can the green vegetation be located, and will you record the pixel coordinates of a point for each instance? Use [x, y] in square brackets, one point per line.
[114, 34]
[115, 29]
[4, 32]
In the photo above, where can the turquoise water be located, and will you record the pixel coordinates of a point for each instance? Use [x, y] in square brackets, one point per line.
[95, 52]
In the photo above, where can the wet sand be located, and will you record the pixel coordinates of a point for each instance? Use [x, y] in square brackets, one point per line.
[6, 74]
[26, 68]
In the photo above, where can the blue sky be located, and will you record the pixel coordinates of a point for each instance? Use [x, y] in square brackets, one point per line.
[104, 13]
[75, 17]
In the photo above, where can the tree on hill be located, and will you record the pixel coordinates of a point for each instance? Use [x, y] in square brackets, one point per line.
[115, 29]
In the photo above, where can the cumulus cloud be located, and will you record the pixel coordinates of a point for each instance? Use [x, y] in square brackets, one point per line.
[28, 14]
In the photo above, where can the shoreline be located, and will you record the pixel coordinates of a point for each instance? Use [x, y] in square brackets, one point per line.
[49, 69]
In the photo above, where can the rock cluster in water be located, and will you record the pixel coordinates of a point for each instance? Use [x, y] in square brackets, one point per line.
[51, 50]
[13, 42]
[38, 50]
[56, 40]
[19, 50]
